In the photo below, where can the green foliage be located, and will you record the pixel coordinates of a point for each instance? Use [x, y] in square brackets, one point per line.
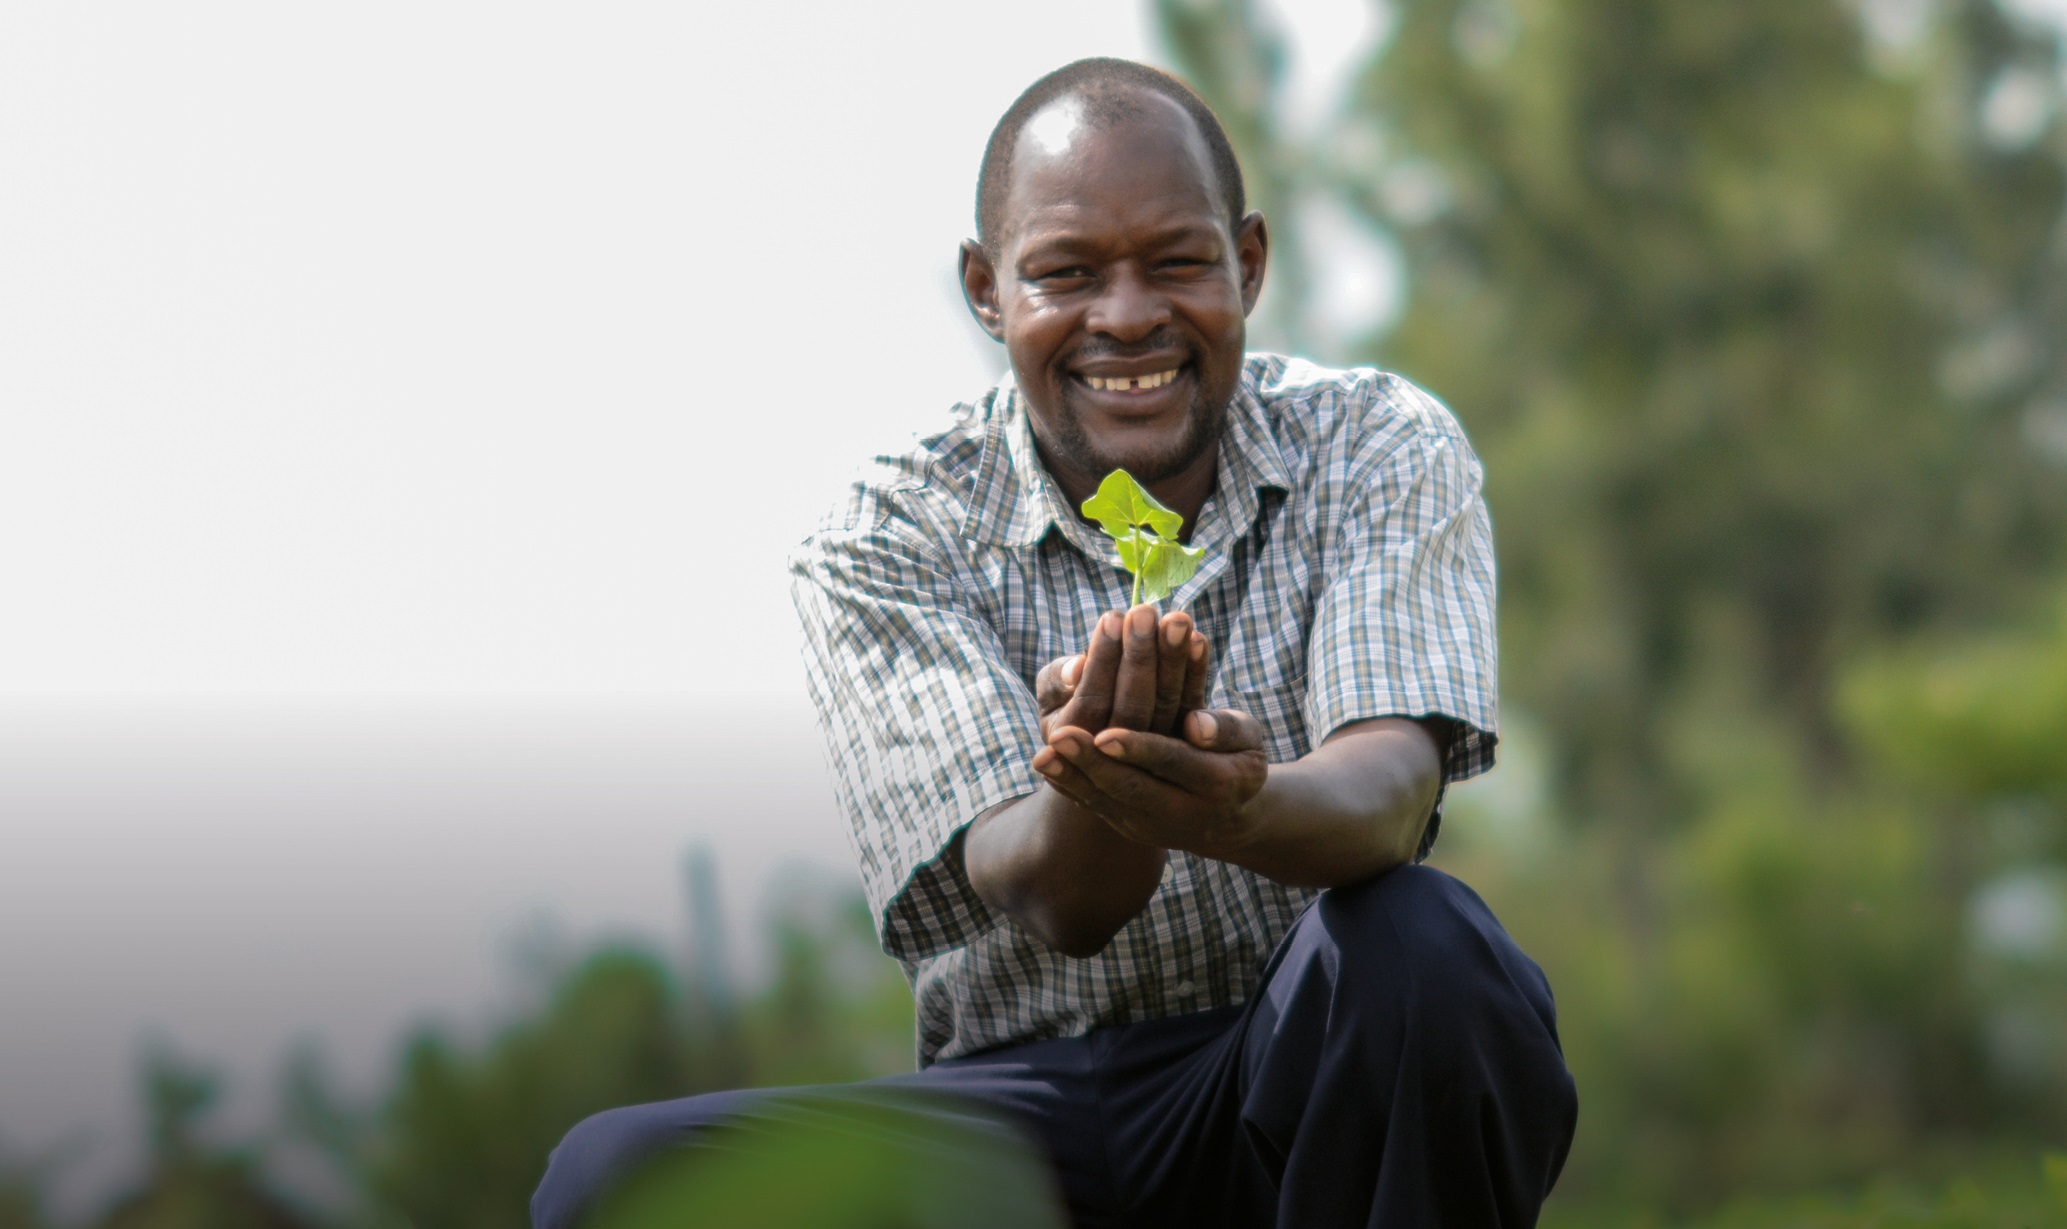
[872, 1160]
[462, 1138]
[837, 1010]
[463, 1141]
[2007, 1199]
[193, 1184]
[1144, 535]
[1979, 718]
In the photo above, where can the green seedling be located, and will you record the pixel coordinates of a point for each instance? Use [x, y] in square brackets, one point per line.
[1144, 536]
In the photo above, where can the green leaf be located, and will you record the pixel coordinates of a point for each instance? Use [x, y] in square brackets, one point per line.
[1169, 565]
[1122, 505]
[1144, 536]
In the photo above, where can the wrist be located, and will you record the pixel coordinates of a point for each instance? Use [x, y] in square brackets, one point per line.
[1231, 839]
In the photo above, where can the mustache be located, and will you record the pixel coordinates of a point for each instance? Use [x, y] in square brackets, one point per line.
[1162, 341]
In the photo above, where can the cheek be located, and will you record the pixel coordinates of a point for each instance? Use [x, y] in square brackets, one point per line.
[1215, 313]
[1034, 333]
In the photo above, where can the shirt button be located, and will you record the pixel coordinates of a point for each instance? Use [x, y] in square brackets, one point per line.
[1184, 989]
[1169, 872]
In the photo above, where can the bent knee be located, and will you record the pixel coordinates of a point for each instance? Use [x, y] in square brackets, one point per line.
[1426, 927]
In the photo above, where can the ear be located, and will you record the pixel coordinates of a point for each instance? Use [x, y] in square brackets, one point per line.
[1252, 252]
[980, 288]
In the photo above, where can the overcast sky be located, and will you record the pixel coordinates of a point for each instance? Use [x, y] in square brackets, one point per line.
[446, 349]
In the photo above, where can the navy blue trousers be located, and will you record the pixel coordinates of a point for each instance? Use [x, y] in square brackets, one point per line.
[1399, 1066]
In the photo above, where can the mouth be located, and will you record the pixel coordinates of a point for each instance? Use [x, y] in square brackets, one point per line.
[1146, 382]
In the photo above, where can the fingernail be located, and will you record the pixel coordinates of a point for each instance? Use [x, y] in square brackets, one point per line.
[1142, 619]
[1175, 635]
[1072, 669]
[1049, 769]
[1207, 727]
[1114, 747]
[1109, 626]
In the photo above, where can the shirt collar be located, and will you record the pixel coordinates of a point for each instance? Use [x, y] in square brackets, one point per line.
[1015, 501]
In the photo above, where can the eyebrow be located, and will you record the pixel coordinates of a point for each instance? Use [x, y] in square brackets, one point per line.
[1063, 243]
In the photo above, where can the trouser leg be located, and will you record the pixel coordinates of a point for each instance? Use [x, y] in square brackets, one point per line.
[1398, 1066]
[1401, 1064]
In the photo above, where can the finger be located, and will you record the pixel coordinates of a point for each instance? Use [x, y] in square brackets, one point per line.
[1063, 775]
[1223, 730]
[1134, 694]
[1205, 775]
[1198, 671]
[1057, 681]
[1173, 645]
[1056, 763]
[1090, 703]
[1076, 787]
[1123, 788]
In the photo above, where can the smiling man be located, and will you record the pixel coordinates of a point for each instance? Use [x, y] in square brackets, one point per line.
[1154, 873]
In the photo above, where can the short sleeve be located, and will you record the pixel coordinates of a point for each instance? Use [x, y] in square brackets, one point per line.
[926, 726]
[1405, 625]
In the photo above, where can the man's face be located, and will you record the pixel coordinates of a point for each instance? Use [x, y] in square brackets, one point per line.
[1119, 291]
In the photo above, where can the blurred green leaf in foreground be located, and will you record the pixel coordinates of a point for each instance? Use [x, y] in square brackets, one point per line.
[847, 1159]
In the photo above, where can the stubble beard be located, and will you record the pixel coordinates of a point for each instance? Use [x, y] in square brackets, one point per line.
[1203, 422]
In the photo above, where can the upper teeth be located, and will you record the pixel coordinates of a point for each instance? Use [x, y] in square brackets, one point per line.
[1124, 383]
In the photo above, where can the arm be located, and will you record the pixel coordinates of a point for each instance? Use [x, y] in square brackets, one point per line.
[1352, 808]
[1060, 871]
[1053, 866]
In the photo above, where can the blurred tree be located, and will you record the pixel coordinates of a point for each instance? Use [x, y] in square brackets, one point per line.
[463, 1139]
[191, 1184]
[838, 1009]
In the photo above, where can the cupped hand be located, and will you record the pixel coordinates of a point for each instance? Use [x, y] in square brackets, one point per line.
[1186, 793]
[1140, 672]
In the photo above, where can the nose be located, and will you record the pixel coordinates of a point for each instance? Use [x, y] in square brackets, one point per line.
[1130, 308]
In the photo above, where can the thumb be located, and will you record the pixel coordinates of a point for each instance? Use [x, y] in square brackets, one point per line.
[1223, 729]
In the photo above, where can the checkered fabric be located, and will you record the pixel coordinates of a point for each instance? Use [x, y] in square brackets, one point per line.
[1348, 575]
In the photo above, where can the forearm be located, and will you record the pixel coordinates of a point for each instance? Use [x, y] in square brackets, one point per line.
[1353, 808]
[1059, 871]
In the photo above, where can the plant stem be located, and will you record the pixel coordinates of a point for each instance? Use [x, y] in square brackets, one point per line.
[1136, 599]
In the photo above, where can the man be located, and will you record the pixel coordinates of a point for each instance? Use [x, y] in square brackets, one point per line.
[1153, 872]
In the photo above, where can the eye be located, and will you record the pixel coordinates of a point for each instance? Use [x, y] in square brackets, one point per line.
[1067, 273]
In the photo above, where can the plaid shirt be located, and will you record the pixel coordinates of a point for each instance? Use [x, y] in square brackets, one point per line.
[1348, 575]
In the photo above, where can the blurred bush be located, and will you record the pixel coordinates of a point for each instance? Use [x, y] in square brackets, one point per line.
[460, 1138]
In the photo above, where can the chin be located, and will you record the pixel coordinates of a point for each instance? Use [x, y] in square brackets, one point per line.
[1164, 454]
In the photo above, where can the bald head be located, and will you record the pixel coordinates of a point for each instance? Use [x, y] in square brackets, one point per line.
[1087, 96]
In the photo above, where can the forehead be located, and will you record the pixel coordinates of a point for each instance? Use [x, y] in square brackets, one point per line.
[1138, 160]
